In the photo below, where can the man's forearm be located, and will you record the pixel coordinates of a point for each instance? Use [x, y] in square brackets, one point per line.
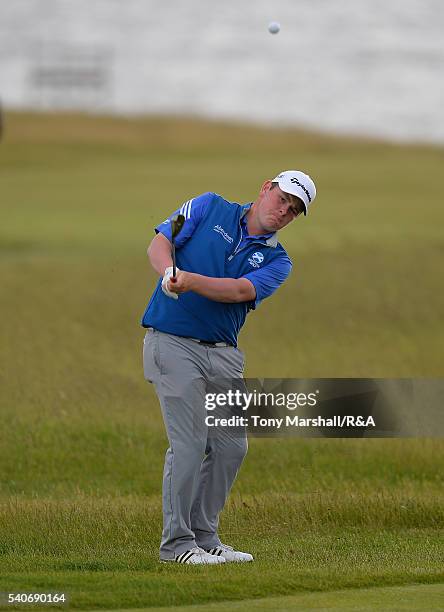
[221, 289]
[217, 289]
[159, 253]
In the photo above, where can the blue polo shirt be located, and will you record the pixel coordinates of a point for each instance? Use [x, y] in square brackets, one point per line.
[214, 241]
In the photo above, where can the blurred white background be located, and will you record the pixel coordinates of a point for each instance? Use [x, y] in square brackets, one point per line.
[351, 66]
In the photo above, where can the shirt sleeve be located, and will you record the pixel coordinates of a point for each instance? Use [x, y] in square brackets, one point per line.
[267, 279]
[193, 210]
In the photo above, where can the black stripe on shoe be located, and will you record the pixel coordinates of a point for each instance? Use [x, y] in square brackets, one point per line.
[183, 558]
[180, 558]
[189, 554]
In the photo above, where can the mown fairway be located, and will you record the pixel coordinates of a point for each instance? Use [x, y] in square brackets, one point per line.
[82, 441]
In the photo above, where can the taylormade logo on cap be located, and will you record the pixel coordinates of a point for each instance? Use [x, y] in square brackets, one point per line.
[298, 184]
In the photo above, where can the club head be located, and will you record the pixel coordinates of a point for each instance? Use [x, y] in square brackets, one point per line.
[176, 225]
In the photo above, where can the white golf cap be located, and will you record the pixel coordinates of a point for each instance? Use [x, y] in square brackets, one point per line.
[298, 184]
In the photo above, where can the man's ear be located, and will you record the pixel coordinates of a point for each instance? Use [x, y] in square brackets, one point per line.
[265, 187]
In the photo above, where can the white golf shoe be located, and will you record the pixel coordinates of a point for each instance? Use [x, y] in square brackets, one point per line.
[229, 554]
[198, 556]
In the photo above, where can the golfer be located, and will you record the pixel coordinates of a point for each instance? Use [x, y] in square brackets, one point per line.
[228, 261]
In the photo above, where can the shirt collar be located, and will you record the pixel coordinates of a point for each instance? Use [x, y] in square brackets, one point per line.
[269, 239]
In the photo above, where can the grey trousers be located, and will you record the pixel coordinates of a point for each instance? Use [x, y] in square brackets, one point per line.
[200, 468]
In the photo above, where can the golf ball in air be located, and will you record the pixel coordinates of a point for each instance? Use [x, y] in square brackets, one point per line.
[274, 27]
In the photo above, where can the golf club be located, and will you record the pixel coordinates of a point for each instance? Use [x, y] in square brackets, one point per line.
[176, 225]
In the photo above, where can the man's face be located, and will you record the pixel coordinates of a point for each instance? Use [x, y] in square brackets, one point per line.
[276, 208]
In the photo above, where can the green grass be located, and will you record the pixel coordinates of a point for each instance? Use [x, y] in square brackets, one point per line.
[82, 441]
[413, 597]
[103, 552]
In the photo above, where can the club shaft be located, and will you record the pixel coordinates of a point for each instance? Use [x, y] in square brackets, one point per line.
[173, 255]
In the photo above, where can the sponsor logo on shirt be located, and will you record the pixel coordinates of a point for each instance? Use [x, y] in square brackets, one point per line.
[256, 259]
[220, 230]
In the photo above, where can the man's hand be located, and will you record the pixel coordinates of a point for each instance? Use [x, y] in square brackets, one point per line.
[180, 284]
[172, 286]
[165, 284]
